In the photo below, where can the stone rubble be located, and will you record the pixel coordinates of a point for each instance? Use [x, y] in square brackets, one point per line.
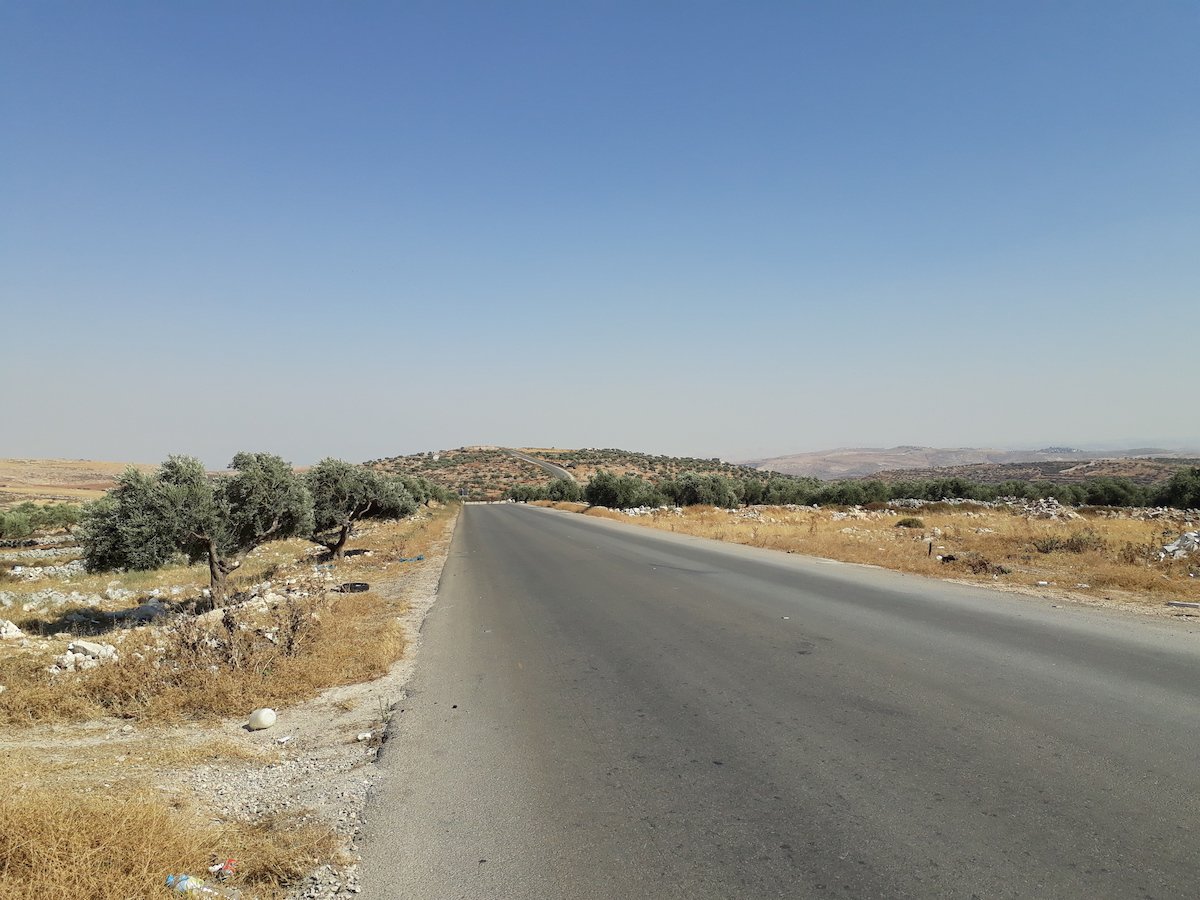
[39, 552]
[67, 570]
[652, 510]
[1047, 508]
[1183, 546]
[82, 655]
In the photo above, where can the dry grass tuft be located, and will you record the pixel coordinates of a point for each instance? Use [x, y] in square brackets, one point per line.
[225, 666]
[88, 816]
[56, 846]
[217, 668]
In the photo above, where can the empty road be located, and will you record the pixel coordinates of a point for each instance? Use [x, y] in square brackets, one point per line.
[606, 711]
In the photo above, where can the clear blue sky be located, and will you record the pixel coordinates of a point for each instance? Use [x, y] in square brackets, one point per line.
[732, 229]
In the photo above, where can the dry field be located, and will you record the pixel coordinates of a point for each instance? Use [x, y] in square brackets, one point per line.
[1095, 559]
[120, 774]
[74, 480]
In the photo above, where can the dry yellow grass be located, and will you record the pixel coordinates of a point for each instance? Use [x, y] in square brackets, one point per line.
[75, 480]
[57, 845]
[88, 819]
[1118, 560]
[89, 816]
[223, 666]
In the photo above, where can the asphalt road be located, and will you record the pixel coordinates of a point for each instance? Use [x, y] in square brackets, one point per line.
[548, 467]
[606, 711]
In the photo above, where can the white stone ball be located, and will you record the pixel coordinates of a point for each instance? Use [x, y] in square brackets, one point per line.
[262, 718]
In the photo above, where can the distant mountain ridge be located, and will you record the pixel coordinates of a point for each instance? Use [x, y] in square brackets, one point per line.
[859, 462]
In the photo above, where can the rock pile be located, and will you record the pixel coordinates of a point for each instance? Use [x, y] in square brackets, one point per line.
[1184, 545]
[1047, 508]
[33, 573]
[83, 655]
[39, 552]
[651, 510]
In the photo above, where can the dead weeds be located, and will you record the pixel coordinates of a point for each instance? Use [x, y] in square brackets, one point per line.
[88, 816]
[118, 845]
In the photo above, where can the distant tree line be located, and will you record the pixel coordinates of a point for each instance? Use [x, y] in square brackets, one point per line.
[27, 518]
[691, 489]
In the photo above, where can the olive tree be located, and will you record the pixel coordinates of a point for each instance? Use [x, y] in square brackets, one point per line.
[564, 490]
[181, 509]
[344, 494]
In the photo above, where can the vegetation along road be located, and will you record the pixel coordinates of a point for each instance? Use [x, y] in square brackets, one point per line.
[602, 711]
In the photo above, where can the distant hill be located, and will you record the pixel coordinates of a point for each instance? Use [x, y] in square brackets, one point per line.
[909, 461]
[1140, 470]
[487, 472]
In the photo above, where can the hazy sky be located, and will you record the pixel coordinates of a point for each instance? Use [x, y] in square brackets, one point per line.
[707, 228]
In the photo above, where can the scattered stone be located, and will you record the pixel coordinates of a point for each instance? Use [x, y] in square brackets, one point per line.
[83, 655]
[95, 651]
[1048, 508]
[1184, 545]
[9, 631]
[33, 573]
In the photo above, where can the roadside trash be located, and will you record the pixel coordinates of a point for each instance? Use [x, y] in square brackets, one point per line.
[190, 884]
[364, 735]
[261, 718]
[354, 587]
[223, 869]
[284, 739]
[1043, 584]
[420, 558]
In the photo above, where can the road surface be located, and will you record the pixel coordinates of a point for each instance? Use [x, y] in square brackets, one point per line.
[548, 467]
[606, 711]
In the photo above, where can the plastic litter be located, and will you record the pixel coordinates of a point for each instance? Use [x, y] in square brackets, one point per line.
[223, 869]
[354, 587]
[190, 884]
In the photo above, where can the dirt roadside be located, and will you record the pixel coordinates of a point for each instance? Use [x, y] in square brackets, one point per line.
[314, 767]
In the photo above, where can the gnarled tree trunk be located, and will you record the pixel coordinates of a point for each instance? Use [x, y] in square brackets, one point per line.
[337, 545]
[218, 572]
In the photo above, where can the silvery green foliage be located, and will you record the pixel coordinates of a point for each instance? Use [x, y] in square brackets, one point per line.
[344, 494]
[182, 509]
